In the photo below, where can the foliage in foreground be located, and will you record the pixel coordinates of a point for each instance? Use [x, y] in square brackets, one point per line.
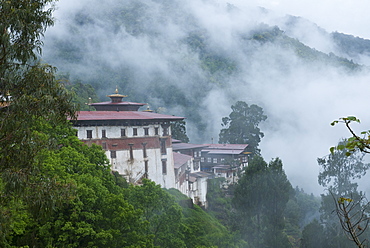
[339, 172]
[32, 104]
[97, 208]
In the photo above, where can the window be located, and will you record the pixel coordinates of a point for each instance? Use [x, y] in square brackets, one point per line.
[222, 160]
[144, 150]
[195, 154]
[202, 159]
[103, 133]
[131, 151]
[156, 131]
[165, 131]
[134, 131]
[215, 160]
[209, 160]
[104, 145]
[146, 131]
[164, 167]
[123, 132]
[163, 146]
[113, 154]
[89, 134]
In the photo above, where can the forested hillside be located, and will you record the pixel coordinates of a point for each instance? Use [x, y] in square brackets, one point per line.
[166, 54]
[197, 58]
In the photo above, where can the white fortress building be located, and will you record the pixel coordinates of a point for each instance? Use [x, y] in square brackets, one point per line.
[138, 143]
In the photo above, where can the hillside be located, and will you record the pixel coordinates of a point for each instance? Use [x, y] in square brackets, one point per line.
[197, 58]
[159, 51]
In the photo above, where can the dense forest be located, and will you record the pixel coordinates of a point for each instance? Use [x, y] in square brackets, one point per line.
[57, 192]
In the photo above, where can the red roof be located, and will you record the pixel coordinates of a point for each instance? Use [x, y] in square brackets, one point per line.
[227, 146]
[184, 146]
[219, 151]
[123, 115]
[201, 174]
[180, 159]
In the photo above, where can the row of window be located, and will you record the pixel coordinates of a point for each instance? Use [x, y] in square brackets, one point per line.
[113, 154]
[210, 160]
[220, 160]
[197, 154]
[124, 132]
[163, 148]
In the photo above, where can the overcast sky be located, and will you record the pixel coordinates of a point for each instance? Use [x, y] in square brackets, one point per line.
[344, 16]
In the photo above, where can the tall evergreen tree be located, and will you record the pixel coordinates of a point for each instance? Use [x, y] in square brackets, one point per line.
[241, 126]
[260, 197]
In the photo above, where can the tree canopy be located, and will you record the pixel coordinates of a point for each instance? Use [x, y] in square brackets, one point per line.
[178, 131]
[32, 106]
[241, 126]
[260, 197]
[339, 172]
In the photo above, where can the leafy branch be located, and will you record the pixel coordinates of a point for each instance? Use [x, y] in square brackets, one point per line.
[355, 142]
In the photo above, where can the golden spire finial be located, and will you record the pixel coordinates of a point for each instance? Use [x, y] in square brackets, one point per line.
[148, 108]
[89, 101]
[116, 89]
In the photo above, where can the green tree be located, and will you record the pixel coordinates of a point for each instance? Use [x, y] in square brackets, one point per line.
[161, 212]
[178, 131]
[313, 235]
[219, 204]
[260, 197]
[95, 212]
[301, 209]
[249, 195]
[29, 97]
[241, 127]
[82, 94]
[352, 211]
[202, 229]
[339, 170]
[275, 206]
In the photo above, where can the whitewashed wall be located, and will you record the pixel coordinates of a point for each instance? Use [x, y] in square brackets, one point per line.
[134, 169]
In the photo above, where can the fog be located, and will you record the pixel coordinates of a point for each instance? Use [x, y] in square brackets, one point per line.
[349, 17]
[300, 99]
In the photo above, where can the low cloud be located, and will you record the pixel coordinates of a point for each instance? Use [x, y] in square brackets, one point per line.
[301, 99]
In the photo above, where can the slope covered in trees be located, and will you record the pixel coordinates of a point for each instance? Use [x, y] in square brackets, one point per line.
[96, 208]
[156, 51]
